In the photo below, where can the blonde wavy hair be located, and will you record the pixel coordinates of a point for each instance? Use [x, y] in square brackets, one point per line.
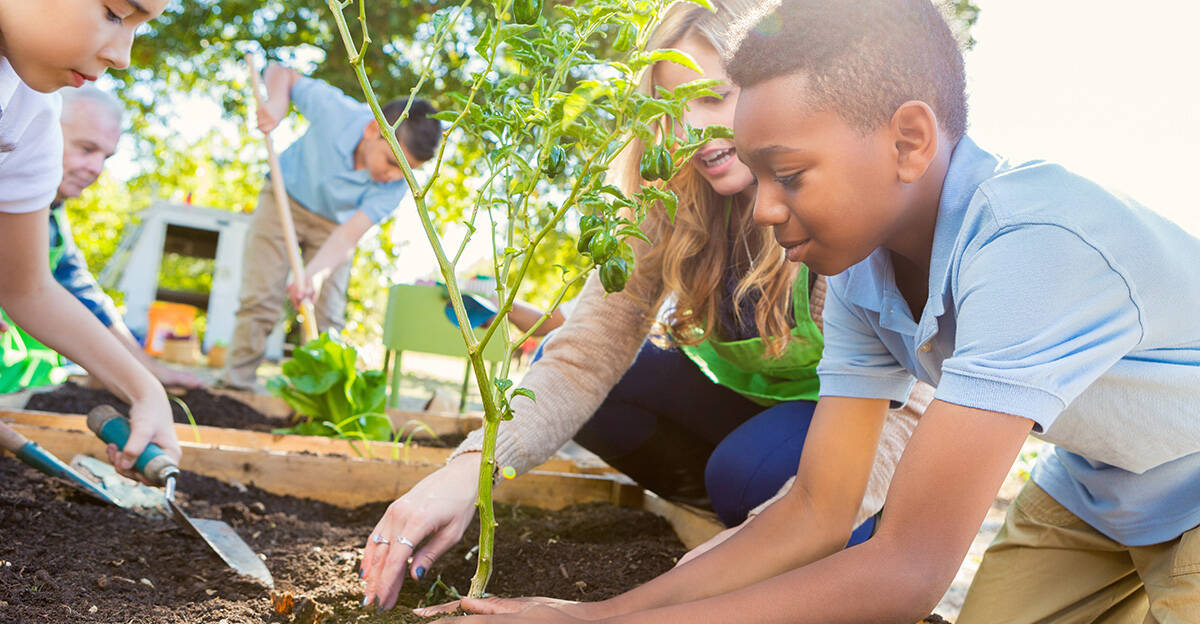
[693, 253]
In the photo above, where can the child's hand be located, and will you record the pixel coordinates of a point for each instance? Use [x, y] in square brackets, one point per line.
[150, 421]
[3, 327]
[170, 377]
[269, 114]
[302, 290]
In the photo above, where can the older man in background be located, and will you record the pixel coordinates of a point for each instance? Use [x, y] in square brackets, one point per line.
[91, 125]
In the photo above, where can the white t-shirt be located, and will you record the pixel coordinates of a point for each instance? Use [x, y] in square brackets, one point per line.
[31, 144]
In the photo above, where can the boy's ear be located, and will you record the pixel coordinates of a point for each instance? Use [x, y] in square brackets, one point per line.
[372, 130]
[914, 129]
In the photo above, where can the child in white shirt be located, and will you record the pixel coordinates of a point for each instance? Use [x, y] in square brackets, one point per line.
[37, 57]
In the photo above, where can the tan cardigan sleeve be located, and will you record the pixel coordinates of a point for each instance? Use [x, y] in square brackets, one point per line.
[580, 364]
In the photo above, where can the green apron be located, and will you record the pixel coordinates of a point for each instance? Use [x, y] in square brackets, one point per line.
[744, 367]
[25, 362]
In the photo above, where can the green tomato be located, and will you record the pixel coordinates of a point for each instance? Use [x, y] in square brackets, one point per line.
[587, 222]
[554, 161]
[585, 241]
[665, 167]
[589, 226]
[649, 165]
[526, 11]
[614, 274]
[602, 247]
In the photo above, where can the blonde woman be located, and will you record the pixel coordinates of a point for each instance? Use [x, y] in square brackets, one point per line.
[716, 416]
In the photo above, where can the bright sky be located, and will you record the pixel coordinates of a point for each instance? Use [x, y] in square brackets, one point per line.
[1106, 87]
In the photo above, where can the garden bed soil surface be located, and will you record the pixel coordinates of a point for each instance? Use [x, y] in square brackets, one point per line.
[213, 410]
[65, 558]
[207, 408]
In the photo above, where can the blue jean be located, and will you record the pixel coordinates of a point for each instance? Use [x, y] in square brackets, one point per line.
[675, 432]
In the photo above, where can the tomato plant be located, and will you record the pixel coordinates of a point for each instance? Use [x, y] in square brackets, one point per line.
[553, 102]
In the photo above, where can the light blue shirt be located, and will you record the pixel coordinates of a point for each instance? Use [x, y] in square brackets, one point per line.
[318, 169]
[1056, 300]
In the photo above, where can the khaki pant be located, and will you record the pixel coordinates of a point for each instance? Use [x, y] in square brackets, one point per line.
[1047, 565]
[265, 271]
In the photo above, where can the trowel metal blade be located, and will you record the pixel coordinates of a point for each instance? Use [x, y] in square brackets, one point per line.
[133, 496]
[228, 545]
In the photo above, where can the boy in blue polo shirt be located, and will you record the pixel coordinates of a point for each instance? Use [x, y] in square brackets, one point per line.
[341, 179]
[1033, 299]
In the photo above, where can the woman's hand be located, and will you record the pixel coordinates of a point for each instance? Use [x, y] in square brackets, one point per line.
[430, 518]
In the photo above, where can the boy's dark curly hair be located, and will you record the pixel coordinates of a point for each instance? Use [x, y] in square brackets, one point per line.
[862, 58]
[420, 132]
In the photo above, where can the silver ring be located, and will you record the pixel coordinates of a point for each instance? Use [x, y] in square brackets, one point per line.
[378, 539]
[404, 540]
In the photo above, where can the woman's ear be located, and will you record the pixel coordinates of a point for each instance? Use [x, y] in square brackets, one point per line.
[914, 129]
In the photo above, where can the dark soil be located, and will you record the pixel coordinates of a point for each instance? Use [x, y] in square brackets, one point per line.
[65, 558]
[207, 408]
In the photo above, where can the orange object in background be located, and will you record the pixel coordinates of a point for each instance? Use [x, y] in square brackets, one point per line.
[177, 319]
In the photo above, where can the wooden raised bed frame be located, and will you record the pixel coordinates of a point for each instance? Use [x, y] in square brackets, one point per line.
[329, 470]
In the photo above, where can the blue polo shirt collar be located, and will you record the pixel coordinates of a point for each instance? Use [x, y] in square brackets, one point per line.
[969, 167]
[871, 284]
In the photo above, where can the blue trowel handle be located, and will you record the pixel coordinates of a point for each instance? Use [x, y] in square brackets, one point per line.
[109, 425]
[29, 452]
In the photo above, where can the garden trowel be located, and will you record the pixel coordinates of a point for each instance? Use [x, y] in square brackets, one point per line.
[31, 453]
[159, 469]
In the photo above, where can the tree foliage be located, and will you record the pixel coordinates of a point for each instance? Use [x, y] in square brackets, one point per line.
[195, 48]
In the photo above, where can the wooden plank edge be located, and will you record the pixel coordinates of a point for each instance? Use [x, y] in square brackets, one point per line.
[693, 526]
[339, 480]
[256, 440]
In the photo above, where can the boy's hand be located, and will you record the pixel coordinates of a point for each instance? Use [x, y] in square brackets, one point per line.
[270, 113]
[492, 605]
[3, 327]
[301, 290]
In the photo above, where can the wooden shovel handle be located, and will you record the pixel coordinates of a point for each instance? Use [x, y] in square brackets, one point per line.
[10, 439]
[283, 204]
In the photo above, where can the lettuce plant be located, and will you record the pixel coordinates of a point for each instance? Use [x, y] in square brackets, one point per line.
[330, 395]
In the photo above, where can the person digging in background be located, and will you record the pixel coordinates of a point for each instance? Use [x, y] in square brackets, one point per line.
[717, 418]
[91, 128]
[341, 179]
[1036, 301]
[44, 47]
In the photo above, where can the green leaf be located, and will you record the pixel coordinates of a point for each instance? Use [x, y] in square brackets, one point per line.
[666, 54]
[525, 392]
